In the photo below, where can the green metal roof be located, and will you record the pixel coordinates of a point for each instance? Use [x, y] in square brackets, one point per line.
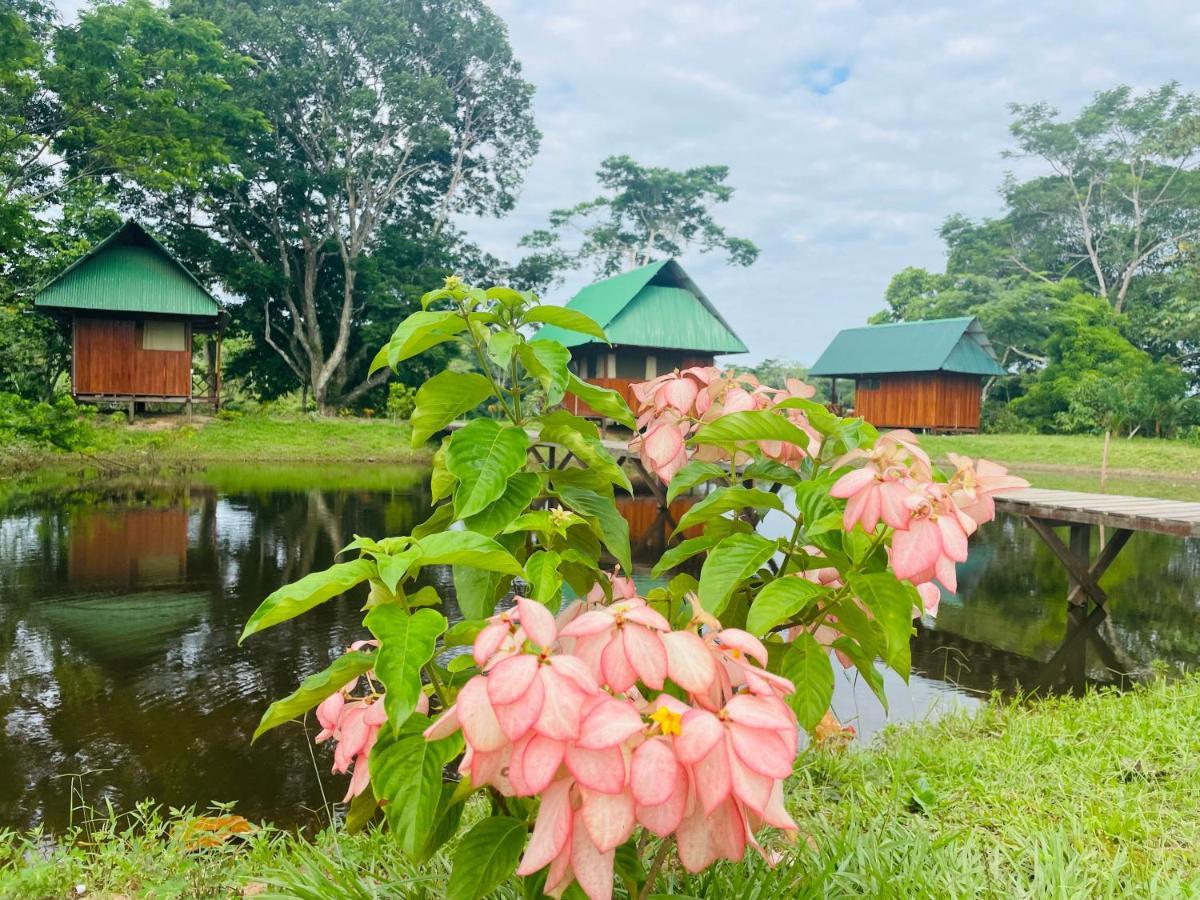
[654, 306]
[933, 345]
[129, 271]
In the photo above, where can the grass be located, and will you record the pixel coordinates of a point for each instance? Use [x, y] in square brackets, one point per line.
[1136, 456]
[1091, 797]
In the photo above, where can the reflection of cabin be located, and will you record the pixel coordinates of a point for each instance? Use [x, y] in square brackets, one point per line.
[133, 310]
[128, 546]
[657, 319]
[913, 374]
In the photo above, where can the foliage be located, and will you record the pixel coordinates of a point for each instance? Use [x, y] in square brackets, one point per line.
[1013, 803]
[677, 712]
[401, 402]
[59, 424]
[383, 120]
[646, 213]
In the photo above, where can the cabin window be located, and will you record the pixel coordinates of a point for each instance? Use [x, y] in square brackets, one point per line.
[651, 367]
[162, 335]
[583, 368]
[868, 384]
[610, 367]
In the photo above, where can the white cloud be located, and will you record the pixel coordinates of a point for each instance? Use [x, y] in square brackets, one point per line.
[852, 128]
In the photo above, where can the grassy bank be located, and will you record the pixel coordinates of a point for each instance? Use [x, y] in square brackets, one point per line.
[249, 438]
[1144, 456]
[1098, 797]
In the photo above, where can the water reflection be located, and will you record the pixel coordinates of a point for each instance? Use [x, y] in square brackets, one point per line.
[120, 607]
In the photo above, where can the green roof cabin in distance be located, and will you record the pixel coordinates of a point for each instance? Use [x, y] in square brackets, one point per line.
[923, 375]
[657, 319]
[133, 311]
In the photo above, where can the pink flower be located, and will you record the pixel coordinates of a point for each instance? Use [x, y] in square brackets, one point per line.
[622, 644]
[974, 484]
[880, 489]
[936, 539]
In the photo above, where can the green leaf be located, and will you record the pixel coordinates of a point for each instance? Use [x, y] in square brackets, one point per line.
[466, 548]
[419, 332]
[406, 642]
[314, 689]
[769, 470]
[517, 496]
[445, 822]
[568, 319]
[441, 481]
[547, 362]
[394, 567]
[439, 520]
[582, 438]
[500, 347]
[727, 499]
[864, 662]
[891, 602]
[692, 474]
[780, 601]
[312, 590]
[818, 416]
[362, 810]
[603, 400]
[613, 529]
[406, 772]
[443, 398]
[483, 455]
[477, 592]
[750, 425]
[807, 665]
[683, 551]
[729, 565]
[541, 571]
[486, 856]
[464, 632]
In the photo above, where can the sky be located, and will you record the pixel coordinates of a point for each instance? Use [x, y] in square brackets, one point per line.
[851, 129]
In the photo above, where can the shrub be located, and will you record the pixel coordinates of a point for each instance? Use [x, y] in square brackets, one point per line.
[61, 424]
[676, 711]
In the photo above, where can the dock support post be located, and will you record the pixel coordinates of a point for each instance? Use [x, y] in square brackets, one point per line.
[1083, 576]
[1081, 550]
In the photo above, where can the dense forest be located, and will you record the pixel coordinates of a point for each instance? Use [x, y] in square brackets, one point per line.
[314, 161]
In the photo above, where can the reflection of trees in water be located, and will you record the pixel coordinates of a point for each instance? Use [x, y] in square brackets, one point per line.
[170, 716]
[1012, 596]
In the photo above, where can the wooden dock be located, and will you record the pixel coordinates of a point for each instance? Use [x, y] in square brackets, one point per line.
[1044, 510]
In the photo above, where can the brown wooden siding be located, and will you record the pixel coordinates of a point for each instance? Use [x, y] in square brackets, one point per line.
[934, 400]
[131, 546]
[109, 359]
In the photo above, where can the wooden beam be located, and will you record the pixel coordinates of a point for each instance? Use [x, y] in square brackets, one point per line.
[1109, 552]
[1078, 573]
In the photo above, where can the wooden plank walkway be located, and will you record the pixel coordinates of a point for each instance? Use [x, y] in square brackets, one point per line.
[1173, 517]
[1043, 510]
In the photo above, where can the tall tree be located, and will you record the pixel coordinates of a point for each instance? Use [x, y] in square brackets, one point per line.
[1120, 201]
[645, 213]
[379, 111]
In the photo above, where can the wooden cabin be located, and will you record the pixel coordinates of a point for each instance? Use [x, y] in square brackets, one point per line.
[921, 375]
[134, 311]
[657, 319]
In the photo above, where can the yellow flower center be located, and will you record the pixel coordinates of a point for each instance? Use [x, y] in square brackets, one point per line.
[669, 722]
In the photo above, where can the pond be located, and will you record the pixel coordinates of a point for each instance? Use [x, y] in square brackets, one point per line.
[121, 604]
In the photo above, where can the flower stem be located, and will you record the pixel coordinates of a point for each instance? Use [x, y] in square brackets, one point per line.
[655, 867]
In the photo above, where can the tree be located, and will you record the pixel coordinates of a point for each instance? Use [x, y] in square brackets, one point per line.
[379, 112]
[127, 92]
[646, 213]
[1121, 200]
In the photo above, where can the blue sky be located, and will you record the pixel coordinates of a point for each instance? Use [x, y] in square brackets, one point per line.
[852, 129]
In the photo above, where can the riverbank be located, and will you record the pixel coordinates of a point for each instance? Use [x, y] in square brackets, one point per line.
[1091, 797]
[251, 438]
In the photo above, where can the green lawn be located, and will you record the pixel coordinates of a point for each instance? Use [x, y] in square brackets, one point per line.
[1136, 455]
[1098, 797]
[260, 438]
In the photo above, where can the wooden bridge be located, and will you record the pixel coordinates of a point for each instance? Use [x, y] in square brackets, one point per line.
[1043, 510]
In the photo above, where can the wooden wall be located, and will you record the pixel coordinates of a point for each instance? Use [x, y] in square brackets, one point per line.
[109, 359]
[666, 360]
[933, 400]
